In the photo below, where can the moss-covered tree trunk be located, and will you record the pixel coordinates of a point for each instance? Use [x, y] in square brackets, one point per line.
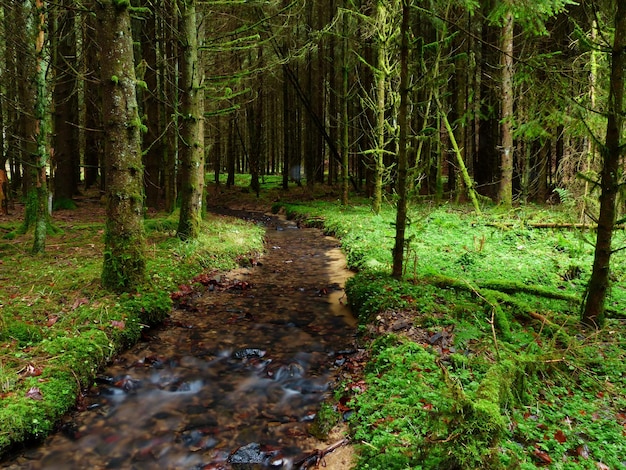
[505, 192]
[381, 83]
[124, 252]
[192, 125]
[345, 122]
[401, 211]
[40, 158]
[593, 312]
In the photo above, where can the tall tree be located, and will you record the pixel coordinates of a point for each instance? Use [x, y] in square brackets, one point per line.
[40, 158]
[192, 124]
[593, 311]
[124, 252]
[65, 138]
[505, 192]
[401, 210]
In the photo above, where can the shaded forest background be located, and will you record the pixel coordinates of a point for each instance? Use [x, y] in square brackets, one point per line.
[487, 100]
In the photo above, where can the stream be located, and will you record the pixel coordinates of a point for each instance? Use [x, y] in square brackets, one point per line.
[232, 380]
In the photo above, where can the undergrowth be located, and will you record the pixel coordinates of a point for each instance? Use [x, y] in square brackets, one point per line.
[519, 384]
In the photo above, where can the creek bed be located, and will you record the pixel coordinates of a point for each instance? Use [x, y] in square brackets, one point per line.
[234, 377]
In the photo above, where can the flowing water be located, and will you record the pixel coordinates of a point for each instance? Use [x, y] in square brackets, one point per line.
[234, 378]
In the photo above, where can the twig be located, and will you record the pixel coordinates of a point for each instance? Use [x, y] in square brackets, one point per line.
[316, 456]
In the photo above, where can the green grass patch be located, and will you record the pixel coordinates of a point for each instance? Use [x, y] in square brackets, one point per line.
[519, 384]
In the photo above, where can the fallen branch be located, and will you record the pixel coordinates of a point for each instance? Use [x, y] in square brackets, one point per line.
[550, 225]
[316, 456]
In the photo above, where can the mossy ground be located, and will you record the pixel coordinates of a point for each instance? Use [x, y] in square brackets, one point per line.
[58, 326]
[477, 357]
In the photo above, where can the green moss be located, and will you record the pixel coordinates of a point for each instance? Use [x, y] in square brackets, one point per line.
[64, 204]
[121, 4]
[325, 420]
[25, 334]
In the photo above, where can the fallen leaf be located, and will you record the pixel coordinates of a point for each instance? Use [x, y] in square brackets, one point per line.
[542, 456]
[583, 451]
[120, 325]
[560, 437]
[78, 302]
[32, 371]
[52, 320]
[34, 393]
[601, 466]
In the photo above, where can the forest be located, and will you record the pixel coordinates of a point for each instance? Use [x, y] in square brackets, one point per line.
[467, 153]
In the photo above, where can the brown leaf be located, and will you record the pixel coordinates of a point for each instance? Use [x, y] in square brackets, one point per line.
[119, 324]
[559, 436]
[34, 393]
[32, 371]
[601, 466]
[542, 456]
[78, 302]
[52, 320]
[583, 451]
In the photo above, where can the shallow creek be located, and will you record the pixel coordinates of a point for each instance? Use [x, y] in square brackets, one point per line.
[232, 380]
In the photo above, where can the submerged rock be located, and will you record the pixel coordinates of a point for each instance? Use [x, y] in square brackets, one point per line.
[254, 456]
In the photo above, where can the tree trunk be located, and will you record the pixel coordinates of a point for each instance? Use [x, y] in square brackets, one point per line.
[66, 148]
[593, 312]
[192, 126]
[401, 210]
[505, 193]
[40, 159]
[94, 144]
[169, 100]
[124, 252]
[28, 126]
[150, 108]
[381, 83]
[345, 121]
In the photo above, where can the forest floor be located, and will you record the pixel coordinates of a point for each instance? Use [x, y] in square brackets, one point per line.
[475, 360]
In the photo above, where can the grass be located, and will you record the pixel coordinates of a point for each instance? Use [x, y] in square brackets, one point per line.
[58, 327]
[518, 383]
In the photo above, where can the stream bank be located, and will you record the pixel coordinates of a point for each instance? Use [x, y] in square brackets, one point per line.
[243, 363]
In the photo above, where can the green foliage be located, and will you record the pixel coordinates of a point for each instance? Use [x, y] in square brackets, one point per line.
[25, 334]
[528, 385]
[115, 79]
[121, 4]
[63, 204]
[151, 307]
[325, 419]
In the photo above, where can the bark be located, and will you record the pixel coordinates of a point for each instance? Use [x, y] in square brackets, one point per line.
[26, 70]
[41, 157]
[505, 193]
[169, 101]
[192, 125]
[381, 83]
[345, 121]
[469, 184]
[287, 133]
[152, 140]
[124, 252]
[593, 313]
[94, 143]
[401, 210]
[65, 141]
